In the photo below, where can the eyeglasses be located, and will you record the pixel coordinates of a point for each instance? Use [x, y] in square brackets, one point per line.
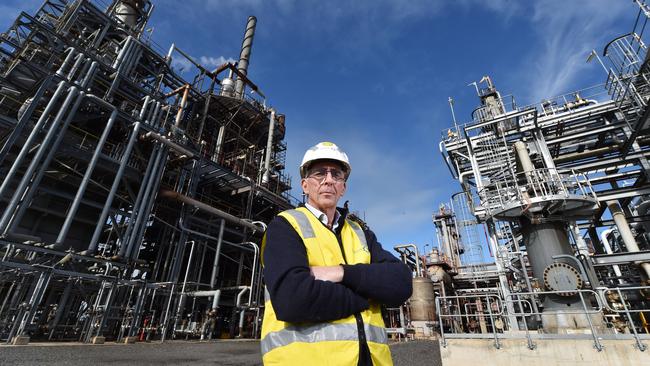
[321, 174]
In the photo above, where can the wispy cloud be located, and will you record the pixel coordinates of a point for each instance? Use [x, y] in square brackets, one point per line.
[183, 65]
[568, 31]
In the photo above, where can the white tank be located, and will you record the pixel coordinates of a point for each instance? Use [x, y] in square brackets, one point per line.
[228, 87]
[127, 12]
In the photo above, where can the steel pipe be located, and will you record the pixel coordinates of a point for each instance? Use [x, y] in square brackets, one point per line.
[626, 233]
[86, 179]
[43, 149]
[269, 147]
[92, 246]
[207, 208]
[172, 145]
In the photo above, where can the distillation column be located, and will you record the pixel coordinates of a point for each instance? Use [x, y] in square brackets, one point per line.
[546, 237]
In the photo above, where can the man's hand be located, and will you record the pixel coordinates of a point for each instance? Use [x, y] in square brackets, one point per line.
[327, 273]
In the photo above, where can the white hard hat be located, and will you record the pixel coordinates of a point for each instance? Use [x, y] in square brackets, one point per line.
[324, 151]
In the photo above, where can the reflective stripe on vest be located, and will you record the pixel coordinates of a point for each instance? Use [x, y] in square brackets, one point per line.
[321, 333]
[308, 231]
[303, 223]
[359, 231]
[267, 295]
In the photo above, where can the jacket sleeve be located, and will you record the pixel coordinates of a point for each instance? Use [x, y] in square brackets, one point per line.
[386, 279]
[296, 295]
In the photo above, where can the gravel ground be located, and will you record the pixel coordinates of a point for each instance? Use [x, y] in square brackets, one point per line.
[223, 353]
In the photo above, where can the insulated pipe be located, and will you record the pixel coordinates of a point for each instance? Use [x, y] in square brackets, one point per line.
[240, 294]
[626, 233]
[524, 158]
[35, 181]
[608, 250]
[269, 147]
[84, 71]
[179, 114]
[217, 254]
[155, 179]
[147, 197]
[54, 128]
[219, 144]
[447, 243]
[89, 75]
[172, 145]
[120, 56]
[27, 145]
[207, 208]
[245, 54]
[214, 293]
[86, 178]
[111, 195]
[138, 201]
[24, 116]
[152, 121]
[71, 51]
[77, 62]
[256, 251]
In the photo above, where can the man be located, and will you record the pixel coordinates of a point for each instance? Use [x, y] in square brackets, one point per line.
[327, 276]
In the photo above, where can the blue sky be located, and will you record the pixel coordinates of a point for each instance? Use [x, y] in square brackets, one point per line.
[374, 76]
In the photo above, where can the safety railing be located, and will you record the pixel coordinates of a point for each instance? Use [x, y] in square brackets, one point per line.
[486, 306]
[459, 315]
[547, 183]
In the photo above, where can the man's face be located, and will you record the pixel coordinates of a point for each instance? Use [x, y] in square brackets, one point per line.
[323, 192]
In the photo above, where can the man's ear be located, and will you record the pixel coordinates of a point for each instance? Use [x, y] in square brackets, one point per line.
[303, 185]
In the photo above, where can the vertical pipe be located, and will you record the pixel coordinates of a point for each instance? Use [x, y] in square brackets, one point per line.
[245, 54]
[86, 178]
[269, 148]
[145, 205]
[626, 233]
[71, 52]
[138, 201]
[217, 253]
[116, 182]
[523, 157]
[61, 308]
[149, 202]
[32, 136]
[31, 190]
[179, 114]
[608, 250]
[20, 190]
[36, 179]
[24, 117]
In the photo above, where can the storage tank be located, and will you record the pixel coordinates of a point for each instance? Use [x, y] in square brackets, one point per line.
[422, 307]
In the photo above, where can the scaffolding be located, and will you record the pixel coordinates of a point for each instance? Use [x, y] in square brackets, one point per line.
[561, 188]
[133, 200]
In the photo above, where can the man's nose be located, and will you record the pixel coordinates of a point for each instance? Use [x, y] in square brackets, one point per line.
[329, 179]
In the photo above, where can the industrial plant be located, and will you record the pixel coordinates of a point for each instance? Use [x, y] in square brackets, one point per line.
[133, 201]
[558, 194]
[134, 198]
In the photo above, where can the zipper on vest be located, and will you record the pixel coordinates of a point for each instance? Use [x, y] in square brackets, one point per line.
[338, 239]
[363, 342]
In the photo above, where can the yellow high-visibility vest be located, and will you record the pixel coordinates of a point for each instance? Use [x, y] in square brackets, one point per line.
[334, 343]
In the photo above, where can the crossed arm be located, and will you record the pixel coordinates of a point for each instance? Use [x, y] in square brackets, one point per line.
[301, 293]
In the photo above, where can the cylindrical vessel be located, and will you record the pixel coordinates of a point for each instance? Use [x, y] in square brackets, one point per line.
[422, 302]
[228, 87]
[128, 11]
[245, 54]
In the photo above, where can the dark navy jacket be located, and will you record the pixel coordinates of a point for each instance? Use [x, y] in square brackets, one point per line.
[299, 297]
